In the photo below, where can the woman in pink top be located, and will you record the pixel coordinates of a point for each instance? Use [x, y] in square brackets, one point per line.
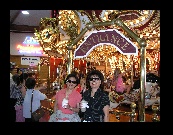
[117, 81]
[67, 101]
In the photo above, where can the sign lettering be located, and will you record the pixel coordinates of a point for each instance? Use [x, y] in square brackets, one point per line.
[30, 61]
[112, 37]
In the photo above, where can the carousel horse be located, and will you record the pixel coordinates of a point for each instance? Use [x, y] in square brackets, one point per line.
[151, 95]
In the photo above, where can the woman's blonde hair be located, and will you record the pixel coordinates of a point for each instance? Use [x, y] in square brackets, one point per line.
[117, 71]
[82, 82]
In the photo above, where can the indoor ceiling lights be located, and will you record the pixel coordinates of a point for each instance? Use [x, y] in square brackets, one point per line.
[25, 12]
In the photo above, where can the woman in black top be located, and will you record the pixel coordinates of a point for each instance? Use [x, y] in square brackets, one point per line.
[97, 98]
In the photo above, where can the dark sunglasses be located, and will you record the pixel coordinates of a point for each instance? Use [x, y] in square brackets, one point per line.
[91, 79]
[70, 81]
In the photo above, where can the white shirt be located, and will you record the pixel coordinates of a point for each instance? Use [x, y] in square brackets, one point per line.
[11, 79]
[37, 96]
[11, 75]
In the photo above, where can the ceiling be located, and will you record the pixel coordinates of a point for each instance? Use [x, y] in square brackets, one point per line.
[26, 23]
[149, 27]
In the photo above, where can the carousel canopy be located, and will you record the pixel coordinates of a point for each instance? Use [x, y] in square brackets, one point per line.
[55, 29]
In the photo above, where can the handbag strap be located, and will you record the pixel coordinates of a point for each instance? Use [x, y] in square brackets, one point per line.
[32, 101]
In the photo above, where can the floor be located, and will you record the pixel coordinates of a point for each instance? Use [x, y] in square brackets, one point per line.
[126, 108]
[113, 118]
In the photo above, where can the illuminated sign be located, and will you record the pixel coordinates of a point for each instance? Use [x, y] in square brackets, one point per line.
[30, 40]
[30, 61]
[30, 45]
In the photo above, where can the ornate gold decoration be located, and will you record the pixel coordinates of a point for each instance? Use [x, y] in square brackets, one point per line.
[69, 22]
[146, 24]
[48, 34]
[51, 30]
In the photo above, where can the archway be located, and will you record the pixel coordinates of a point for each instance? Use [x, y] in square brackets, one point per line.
[140, 41]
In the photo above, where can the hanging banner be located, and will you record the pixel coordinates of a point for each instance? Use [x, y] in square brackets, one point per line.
[111, 37]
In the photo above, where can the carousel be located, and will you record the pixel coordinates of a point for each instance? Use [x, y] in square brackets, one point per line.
[106, 40]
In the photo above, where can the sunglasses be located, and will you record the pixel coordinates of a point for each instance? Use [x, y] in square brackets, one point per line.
[91, 79]
[70, 81]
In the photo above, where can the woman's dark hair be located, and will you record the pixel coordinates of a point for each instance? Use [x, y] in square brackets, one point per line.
[11, 66]
[16, 79]
[72, 75]
[30, 83]
[75, 72]
[150, 77]
[23, 76]
[30, 74]
[99, 74]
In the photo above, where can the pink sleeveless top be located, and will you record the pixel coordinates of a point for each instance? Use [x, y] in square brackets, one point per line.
[120, 86]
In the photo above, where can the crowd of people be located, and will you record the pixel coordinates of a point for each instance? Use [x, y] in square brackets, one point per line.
[68, 100]
[22, 85]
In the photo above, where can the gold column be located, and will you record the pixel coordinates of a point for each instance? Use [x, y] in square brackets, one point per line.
[106, 65]
[69, 60]
[155, 117]
[48, 77]
[133, 114]
[39, 81]
[131, 58]
[54, 69]
[142, 44]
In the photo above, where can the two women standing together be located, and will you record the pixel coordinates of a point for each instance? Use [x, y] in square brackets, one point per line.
[67, 101]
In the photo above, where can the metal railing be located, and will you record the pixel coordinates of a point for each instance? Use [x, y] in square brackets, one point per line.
[131, 114]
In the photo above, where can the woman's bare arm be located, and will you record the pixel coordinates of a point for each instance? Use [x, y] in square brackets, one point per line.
[106, 113]
[55, 106]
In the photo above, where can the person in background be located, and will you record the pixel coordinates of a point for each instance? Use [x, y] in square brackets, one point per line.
[31, 74]
[81, 75]
[97, 98]
[78, 87]
[37, 97]
[19, 71]
[83, 85]
[117, 81]
[13, 93]
[83, 89]
[66, 106]
[23, 78]
[13, 71]
[19, 103]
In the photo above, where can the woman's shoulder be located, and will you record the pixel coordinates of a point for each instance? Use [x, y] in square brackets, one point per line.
[101, 91]
[18, 86]
[21, 86]
[61, 90]
[37, 91]
[87, 92]
[105, 96]
[106, 93]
